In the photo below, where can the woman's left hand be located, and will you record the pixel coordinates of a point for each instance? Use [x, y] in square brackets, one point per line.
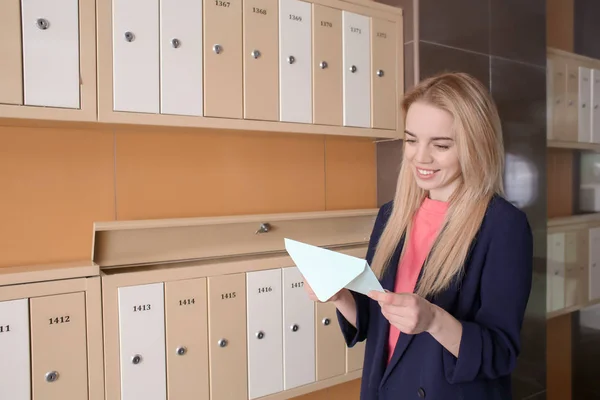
[408, 312]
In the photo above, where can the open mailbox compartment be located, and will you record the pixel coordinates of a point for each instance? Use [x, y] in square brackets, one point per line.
[214, 307]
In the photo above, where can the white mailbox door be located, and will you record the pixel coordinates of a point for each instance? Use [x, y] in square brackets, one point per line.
[295, 68]
[595, 105]
[357, 69]
[265, 356]
[142, 340]
[556, 267]
[51, 52]
[15, 383]
[594, 258]
[181, 57]
[585, 98]
[298, 331]
[136, 56]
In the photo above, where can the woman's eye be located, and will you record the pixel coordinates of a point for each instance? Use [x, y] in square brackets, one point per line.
[410, 141]
[439, 146]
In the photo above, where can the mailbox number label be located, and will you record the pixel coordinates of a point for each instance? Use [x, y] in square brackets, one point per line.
[225, 296]
[4, 328]
[60, 320]
[266, 289]
[144, 307]
[187, 302]
[297, 284]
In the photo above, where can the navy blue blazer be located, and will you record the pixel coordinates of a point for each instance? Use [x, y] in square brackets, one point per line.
[489, 301]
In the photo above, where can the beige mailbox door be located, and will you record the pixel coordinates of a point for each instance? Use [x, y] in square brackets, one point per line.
[331, 348]
[223, 71]
[227, 337]
[383, 74]
[327, 65]
[186, 320]
[298, 331]
[59, 347]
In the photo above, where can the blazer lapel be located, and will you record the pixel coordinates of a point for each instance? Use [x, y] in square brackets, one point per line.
[388, 282]
[403, 342]
[445, 300]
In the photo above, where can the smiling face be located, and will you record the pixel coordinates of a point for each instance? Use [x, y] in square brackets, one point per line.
[431, 150]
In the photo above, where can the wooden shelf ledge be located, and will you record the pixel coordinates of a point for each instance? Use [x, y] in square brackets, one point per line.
[581, 221]
[557, 144]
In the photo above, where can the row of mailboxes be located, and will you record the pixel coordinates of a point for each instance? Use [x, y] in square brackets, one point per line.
[573, 273]
[276, 60]
[232, 336]
[573, 98]
[213, 325]
[328, 63]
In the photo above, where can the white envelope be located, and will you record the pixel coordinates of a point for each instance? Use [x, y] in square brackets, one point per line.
[327, 271]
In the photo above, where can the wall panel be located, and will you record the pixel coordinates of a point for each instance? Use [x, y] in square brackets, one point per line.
[163, 174]
[55, 183]
[351, 173]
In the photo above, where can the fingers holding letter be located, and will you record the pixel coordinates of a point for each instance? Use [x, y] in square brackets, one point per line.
[311, 294]
[408, 312]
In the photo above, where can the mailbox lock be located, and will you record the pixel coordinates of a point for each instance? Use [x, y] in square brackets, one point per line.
[291, 59]
[295, 327]
[223, 342]
[326, 321]
[256, 54]
[260, 334]
[176, 43]
[353, 68]
[323, 64]
[51, 376]
[181, 350]
[380, 73]
[217, 48]
[43, 24]
[136, 359]
[129, 36]
[264, 228]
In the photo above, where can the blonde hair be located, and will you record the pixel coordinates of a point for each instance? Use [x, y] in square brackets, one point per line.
[478, 137]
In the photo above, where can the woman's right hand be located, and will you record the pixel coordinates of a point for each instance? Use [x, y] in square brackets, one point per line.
[313, 296]
[343, 299]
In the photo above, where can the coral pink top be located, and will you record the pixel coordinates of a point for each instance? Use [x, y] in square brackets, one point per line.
[426, 225]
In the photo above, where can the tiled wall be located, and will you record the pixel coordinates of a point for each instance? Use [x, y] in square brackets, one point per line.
[502, 43]
[586, 27]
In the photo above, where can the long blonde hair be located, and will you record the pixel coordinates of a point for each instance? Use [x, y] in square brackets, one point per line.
[478, 137]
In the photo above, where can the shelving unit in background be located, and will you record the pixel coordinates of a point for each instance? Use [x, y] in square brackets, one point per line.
[573, 226]
[573, 119]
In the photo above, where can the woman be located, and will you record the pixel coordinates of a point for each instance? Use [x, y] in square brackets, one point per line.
[454, 257]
